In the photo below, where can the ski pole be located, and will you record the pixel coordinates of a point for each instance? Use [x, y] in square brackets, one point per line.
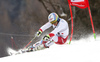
[29, 42]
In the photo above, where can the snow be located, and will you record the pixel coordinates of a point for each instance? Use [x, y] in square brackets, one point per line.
[83, 50]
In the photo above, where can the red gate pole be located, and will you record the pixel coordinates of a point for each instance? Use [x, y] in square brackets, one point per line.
[71, 22]
[91, 21]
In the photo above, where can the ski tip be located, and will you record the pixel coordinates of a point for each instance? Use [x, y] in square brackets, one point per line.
[10, 53]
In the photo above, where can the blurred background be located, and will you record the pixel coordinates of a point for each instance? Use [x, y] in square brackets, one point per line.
[21, 19]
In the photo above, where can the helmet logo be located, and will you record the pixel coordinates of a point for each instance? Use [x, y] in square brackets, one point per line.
[50, 19]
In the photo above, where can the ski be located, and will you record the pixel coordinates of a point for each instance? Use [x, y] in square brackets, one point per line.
[20, 52]
[11, 53]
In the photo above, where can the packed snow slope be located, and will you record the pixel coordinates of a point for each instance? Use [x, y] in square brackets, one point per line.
[83, 50]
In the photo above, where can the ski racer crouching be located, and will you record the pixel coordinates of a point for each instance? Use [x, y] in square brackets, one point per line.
[58, 36]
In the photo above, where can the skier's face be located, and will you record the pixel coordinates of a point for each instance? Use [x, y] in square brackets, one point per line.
[55, 23]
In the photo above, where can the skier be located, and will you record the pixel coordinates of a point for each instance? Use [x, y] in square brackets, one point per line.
[58, 36]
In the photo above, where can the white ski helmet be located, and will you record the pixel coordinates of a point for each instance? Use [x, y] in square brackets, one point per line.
[53, 17]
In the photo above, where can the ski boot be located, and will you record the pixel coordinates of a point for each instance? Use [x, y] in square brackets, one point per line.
[29, 49]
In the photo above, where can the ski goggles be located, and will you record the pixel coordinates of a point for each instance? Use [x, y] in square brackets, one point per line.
[53, 22]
